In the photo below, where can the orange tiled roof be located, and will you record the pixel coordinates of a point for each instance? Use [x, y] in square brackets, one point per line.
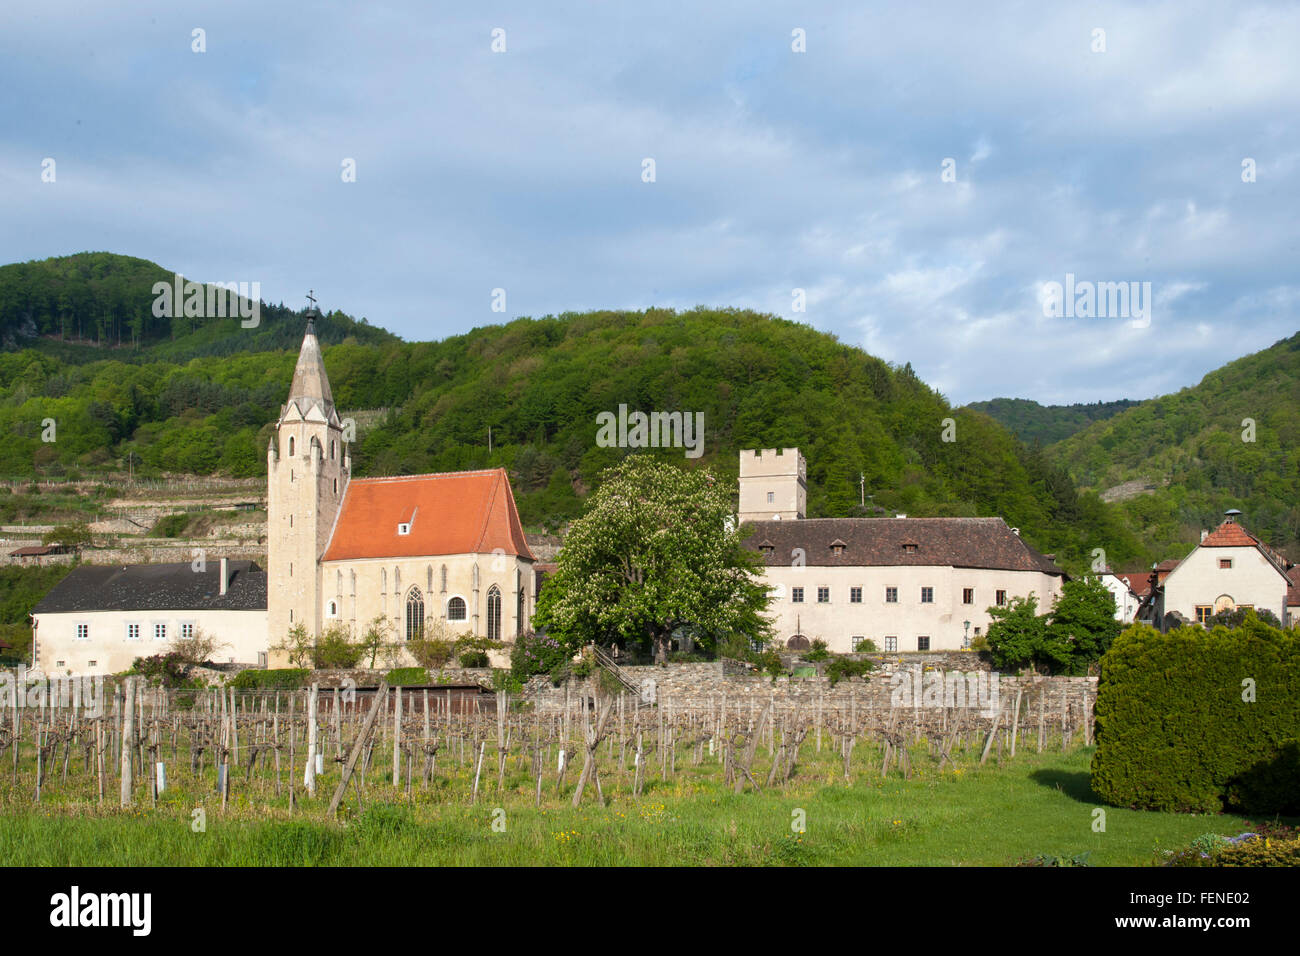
[465, 512]
[1230, 535]
[1293, 587]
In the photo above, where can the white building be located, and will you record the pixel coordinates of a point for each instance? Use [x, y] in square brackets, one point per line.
[99, 619]
[907, 584]
[1126, 600]
[1229, 569]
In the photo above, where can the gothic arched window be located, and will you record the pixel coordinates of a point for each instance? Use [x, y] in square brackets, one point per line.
[290, 446]
[414, 614]
[494, 613]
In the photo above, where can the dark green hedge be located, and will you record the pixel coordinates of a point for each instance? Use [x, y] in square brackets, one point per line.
[286, 678]
[1173, 729]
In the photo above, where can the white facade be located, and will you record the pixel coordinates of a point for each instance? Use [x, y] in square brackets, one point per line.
[1213, 579]
[1126, 602]
[827, 608]
[94, 643]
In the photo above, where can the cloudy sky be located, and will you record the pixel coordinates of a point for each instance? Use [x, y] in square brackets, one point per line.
[774, 170]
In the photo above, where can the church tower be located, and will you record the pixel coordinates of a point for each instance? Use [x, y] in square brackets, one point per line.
[307, 469]
[773, 485]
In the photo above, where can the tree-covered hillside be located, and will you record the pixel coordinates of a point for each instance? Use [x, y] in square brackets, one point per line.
[1045, 424]
[204, 403]
[1232, 441]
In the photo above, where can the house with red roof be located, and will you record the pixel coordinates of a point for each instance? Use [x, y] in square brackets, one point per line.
[412, 553]
[1230, 568]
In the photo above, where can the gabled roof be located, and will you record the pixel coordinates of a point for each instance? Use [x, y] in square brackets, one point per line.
[880, 542]
[157, 587]
[463, 512]
[1293, 587]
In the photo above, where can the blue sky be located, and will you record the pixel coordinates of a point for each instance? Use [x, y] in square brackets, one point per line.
[775, 170]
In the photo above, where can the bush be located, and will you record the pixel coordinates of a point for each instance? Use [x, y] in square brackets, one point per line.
[166, 670]
[536, 654]
[474, 659]
[171, 526]
[842, 667]
[818, 652]
[1199, 720]
[769, 662]
[334, 649]
[431, 652]
[407, 677]
[283, 678]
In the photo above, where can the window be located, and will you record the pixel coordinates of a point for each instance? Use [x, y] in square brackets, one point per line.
[771, 497]
[927, 595]
[456, 609]
[1001, 598]
[290, 446]
[855, 595]
[92, 663]
[1225, 563]
[60, 663]
[796, 595]
[133, 632]
[1203, 612]
[823, 595]
[404, 528]
[909, 548]
[160, 632]
[414, 614]
[891, 644]
[967, 595]
[336, 486]
[187, 630]
[857, 641]
[922, 643]
[891, 595]
[494, 613]
[332, 609]
[83, 632]
[331, 449]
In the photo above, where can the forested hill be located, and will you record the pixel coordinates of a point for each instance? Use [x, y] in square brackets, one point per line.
[1045, 424]
[1232, 441]
[77, 307]
[539, 385]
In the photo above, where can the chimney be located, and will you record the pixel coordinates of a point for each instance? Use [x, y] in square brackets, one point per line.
[224, 566]
[1204, 534]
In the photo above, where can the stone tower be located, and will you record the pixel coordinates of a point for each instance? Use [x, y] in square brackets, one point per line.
[307, 473]
[773, 484]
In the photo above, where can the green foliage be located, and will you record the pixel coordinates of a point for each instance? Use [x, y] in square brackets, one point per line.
[171, 526]
[474, 659]
[769, 662]
[407, 677]
[1199, 720]
[75, 537]
[841, 668]
[21, 589]
[431, 652]
[164, 670]
[284, 678]
[818, 651]
[1016, 635]
[651, 554]
[1238, 616]
[536, 654]
[1195, 455]
[1044, 424]
[503, 679]
[336, 649]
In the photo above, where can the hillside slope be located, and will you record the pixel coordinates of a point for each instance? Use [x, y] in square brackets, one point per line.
[1045, 424]
[1193, 450]
[203, 403]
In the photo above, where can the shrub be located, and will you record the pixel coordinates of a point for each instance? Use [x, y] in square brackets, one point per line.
[335, 649]
[818, 652]
[474, 659]
[769, 662]
[536, 654]
[284, 678]
[1199, 720]
[407, 676]
[166, 670]
[431, 652]
[842, 667]
[171, 526]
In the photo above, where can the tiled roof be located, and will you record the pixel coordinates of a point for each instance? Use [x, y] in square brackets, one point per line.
[1293, 587]
[887, 542]
[158, 587]
[464, 512]
[1230, 535]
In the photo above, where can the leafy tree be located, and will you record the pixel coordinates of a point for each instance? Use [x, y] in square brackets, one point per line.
[1015, 638]
[653, 552]
[1082, 626]
[72, 537]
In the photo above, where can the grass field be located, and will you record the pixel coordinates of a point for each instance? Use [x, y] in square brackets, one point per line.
[992, 815]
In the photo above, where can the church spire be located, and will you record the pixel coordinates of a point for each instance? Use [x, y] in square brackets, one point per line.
[310, 383]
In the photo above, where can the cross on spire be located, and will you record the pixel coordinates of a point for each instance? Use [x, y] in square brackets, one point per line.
[312, 299]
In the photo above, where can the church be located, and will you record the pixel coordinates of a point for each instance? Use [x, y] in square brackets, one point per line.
[413, 553]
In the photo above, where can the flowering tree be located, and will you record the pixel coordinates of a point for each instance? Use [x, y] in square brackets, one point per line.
[655, 550]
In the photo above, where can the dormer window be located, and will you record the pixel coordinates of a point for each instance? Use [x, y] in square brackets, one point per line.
[909, 548]
[767, 547]
[404, 528]
[837, 547]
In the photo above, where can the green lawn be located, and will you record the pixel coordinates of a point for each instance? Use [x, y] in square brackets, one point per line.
[1036, 804]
